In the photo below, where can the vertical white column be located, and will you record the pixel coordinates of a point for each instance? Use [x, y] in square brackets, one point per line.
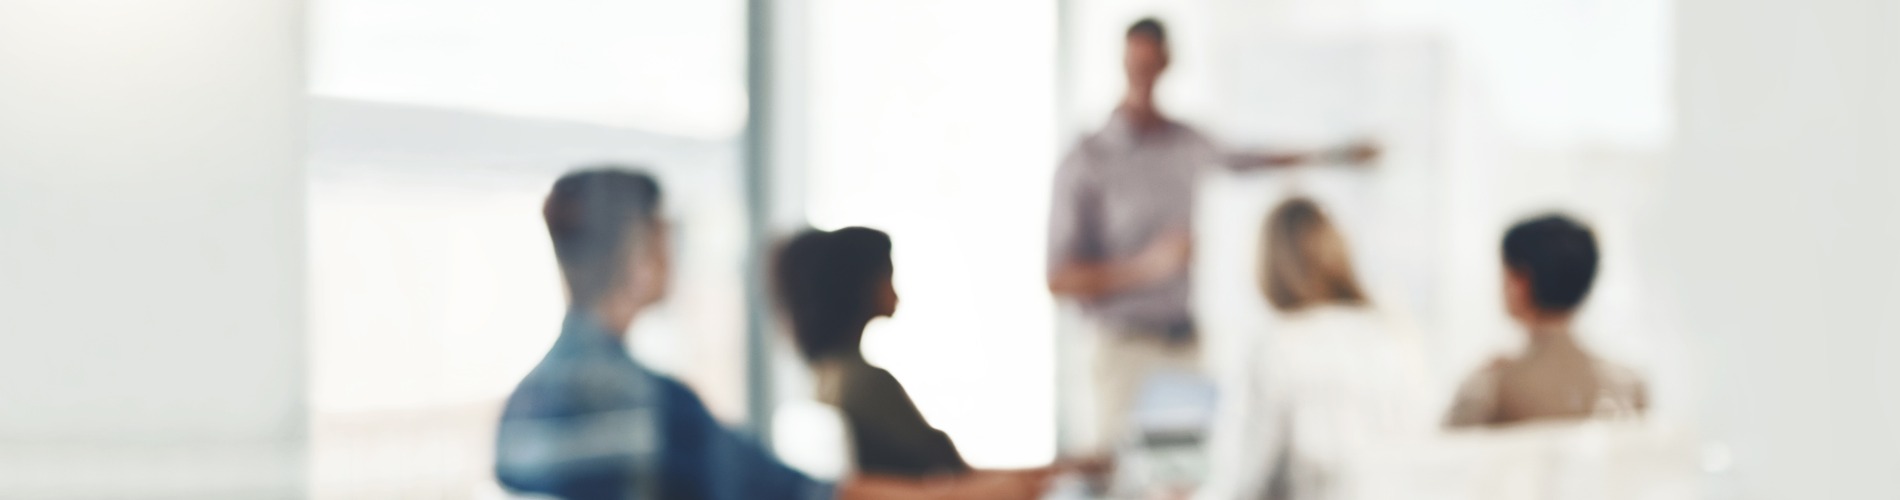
[1782, 231]
[151, 249]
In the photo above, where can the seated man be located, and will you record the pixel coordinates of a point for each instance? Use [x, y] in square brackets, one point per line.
[589, 422]
[1549, 265]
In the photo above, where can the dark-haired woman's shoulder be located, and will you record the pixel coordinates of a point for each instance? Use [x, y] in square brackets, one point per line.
[852, 384]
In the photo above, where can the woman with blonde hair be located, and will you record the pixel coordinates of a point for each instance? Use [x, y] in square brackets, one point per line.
[1335, 376]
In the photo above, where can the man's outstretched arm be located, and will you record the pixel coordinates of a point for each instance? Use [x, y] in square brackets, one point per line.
[1352, 153]
[1004, 485]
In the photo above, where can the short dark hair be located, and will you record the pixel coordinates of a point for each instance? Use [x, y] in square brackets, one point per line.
[1558, 255]
[1151, 28]
[827, 284]
[596, 216]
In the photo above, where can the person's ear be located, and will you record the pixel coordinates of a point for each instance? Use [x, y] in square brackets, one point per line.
[654, 265]
[1517, 293]
[887, 298]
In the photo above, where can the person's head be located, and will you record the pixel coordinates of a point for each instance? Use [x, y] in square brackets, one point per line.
[1145, 56]
[830, 284]
[609, 239]
[1549, 265]
[1304, 261]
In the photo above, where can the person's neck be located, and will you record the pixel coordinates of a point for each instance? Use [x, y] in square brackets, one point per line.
[1551, 334]
[614, 316]
[856, 349]
[1139, 109]
[852, 353]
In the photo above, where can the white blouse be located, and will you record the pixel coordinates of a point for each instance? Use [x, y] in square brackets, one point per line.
[1327, 383]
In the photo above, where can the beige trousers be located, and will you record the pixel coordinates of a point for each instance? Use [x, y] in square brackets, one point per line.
[1120, 362]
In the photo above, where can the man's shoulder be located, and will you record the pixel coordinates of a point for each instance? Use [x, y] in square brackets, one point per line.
[563, 384]
[1085, 147]
[1188, 131]
[1192, 139]
[675, 393]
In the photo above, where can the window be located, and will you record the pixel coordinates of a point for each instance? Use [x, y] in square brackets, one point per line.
[933, 121]
[436, 128]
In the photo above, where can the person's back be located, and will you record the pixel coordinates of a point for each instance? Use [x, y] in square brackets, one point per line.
[889, 434]
[591, 423]
[1550, 384]
[1333, 378]
[1348, 379]
[564, 433]
[1550, 264]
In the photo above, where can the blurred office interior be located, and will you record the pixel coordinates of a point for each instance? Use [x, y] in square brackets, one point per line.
[293, 248]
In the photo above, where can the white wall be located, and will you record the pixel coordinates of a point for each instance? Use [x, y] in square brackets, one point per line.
[930, 121]
[1780, 231]
[1488, 110]
[151, 239]
[584, 61]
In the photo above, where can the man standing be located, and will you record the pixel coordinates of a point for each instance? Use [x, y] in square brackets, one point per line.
[1118, 232]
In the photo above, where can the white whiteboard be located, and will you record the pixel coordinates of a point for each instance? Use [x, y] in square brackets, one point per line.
[1304, 94]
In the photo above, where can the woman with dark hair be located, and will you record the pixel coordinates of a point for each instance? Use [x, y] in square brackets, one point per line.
[830, 285]
[1334, 377]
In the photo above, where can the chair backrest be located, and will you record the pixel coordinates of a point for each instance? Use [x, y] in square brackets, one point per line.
[490, 490]
[814, 438]
[1580, 461]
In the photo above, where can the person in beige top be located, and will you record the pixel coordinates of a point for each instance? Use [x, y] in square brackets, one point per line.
[1550, 263]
